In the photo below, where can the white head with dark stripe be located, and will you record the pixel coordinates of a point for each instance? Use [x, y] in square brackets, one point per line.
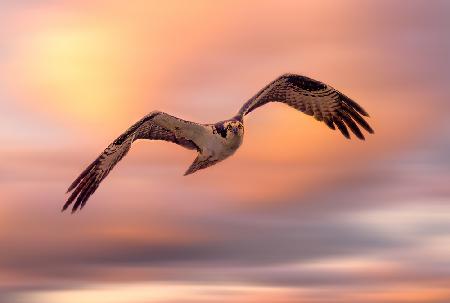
[230, 129]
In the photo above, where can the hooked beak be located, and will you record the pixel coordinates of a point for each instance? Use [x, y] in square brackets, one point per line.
[235, 131]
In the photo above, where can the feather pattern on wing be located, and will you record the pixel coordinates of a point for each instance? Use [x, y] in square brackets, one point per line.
[146, 128]
[313, 98]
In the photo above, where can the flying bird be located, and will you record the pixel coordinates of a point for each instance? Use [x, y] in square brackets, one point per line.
[216, 142]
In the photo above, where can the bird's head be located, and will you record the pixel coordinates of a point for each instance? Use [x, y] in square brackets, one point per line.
[235, 128]
[231, 128]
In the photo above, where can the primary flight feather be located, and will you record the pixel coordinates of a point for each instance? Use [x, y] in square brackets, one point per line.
[216, 142]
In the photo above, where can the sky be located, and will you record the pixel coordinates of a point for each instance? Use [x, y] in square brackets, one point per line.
[298, 214]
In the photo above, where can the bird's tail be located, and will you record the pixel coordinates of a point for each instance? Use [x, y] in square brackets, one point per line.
[200, 162]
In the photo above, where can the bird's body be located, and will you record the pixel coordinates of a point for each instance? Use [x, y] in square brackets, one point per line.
[214, 142]
[218, 141]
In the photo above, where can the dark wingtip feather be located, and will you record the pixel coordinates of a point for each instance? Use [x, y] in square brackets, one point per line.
[74, 194]
[359, 109]
[355, 105]
[85, 193]
[81, 183]
[352, 125]
[66, 205]
[329, 123]
[81, 176]
[341, 126]
[93, 188]
[360, 120]
[360, 136]
[73, 185]
[366, 126]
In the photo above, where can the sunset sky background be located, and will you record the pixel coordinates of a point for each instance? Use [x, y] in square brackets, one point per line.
[298, 214]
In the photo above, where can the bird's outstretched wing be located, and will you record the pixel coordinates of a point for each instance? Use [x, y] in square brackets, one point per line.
[154, 126]
[313, 98]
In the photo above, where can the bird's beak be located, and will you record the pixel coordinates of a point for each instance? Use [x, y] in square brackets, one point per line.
[235, 131]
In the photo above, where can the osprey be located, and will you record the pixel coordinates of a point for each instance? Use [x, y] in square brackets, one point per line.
[216, 142]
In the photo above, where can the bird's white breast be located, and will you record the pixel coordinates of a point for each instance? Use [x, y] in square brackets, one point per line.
[221, 148]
